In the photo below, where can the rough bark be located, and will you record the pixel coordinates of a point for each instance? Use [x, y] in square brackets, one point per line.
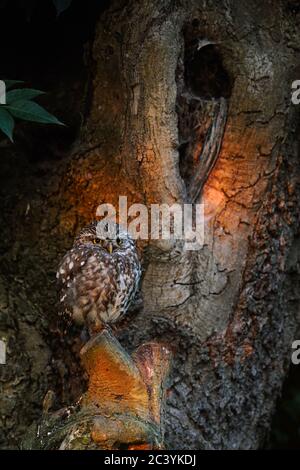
[227, 308]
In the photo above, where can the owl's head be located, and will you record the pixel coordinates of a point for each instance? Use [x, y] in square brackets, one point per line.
[109, 237]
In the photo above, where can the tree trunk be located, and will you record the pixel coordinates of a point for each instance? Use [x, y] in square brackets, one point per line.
[162, 70]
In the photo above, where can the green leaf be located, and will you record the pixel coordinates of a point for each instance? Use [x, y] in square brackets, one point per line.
[61, 5]
[22, 94]
[6, 123]
[31, 111]
[10, 83]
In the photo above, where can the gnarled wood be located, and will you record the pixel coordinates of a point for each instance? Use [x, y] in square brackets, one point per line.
[122, 407]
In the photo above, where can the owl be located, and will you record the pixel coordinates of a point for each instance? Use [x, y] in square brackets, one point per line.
[98, 277]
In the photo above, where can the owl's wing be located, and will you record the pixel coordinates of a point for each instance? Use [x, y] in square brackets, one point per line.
[69, 268]
[71, 265]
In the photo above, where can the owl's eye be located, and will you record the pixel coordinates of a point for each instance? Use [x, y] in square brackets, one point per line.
[96, 240]
[119, 241]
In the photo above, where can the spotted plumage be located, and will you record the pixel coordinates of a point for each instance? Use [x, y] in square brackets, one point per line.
[98, 277]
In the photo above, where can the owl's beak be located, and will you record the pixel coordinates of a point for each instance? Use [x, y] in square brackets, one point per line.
[110, 248]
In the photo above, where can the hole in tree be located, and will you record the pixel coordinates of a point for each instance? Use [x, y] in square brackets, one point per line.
[205, 74]
[202, 79]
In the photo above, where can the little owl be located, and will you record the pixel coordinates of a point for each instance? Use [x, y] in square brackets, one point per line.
[98, 277]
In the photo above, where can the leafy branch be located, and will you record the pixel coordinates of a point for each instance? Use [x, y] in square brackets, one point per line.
[19, 104]
[61, 5]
